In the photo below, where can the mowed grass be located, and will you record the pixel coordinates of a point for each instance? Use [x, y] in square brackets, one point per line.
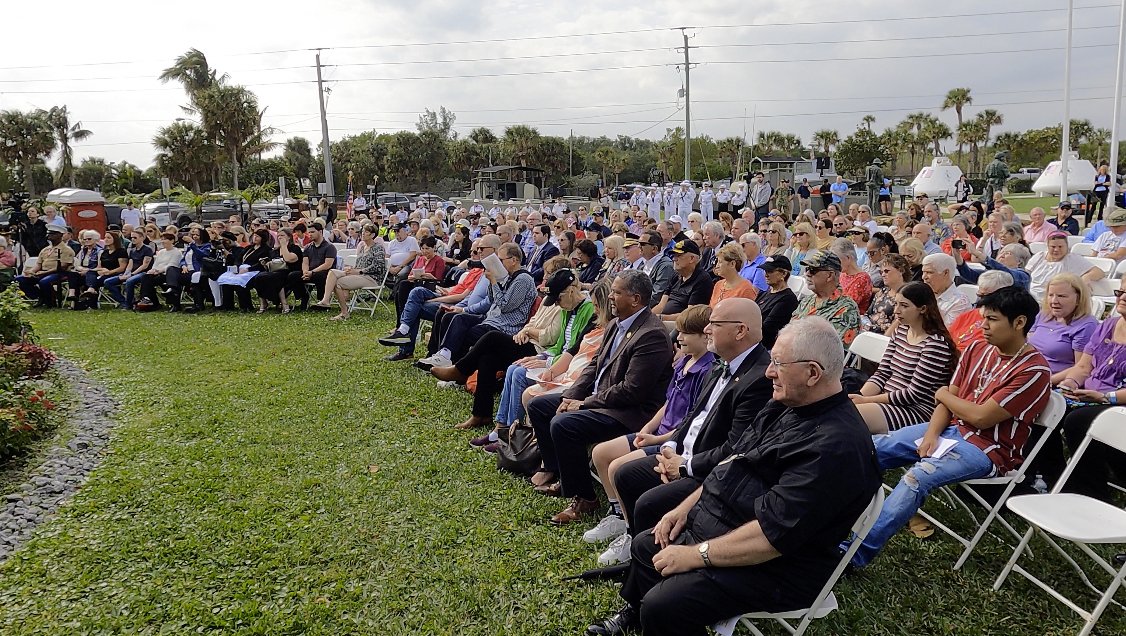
[273, 475]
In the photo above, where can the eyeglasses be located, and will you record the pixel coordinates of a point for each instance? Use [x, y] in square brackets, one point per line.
[885, 270]
[725, 322]
[771, 232]
[779, 364]
[1118, 293]
[801, 234]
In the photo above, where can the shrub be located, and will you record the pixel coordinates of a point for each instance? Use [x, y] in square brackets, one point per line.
[24, 414]
[24, 360]
[1018, 186]
[13, 328]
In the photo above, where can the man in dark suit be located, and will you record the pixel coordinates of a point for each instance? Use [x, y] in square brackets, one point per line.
[544, 251]
[616, 394]
[732, 397]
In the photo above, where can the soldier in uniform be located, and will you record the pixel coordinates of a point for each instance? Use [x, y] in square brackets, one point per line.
[874, 179]
[723, 198]
[653, 201]
[995, 174]
[707, 199]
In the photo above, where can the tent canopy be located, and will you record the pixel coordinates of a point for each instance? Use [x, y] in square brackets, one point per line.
[71, 196]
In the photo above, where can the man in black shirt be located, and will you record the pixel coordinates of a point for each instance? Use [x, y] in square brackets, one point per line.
[693, 285]
[761, 532]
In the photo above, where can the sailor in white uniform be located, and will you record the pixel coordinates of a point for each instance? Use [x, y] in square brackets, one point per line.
[723, 198]
[653, 201]
[685, 197]
[707, 198]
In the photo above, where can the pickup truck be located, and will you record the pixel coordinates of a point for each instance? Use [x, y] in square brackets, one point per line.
[1026, 174]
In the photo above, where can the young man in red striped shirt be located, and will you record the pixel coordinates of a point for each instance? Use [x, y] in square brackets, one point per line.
[980, 423]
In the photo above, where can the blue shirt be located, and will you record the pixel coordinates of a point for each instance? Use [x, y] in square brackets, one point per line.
[1094, 231]
[839, 191]
[477, 302]
[754, 275]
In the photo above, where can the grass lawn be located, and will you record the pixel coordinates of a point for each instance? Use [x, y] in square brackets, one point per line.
[273, 475]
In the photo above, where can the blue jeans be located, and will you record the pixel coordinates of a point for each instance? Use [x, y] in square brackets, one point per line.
[515, 381]
[416, 309]
[113, 287]
[964, 461]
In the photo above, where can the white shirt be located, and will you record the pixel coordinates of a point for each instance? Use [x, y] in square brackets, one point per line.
[952, 303]
[165, 259]
[1042, 271]
[131, 216]
[399, 252]
[1108, 243]
[723, 196]
[360, 204]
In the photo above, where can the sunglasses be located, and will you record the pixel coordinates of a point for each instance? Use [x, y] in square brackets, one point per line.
[771, 231]
[1118, 293]
[801, 234]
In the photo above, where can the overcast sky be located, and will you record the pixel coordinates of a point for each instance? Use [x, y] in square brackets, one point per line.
[800, 65]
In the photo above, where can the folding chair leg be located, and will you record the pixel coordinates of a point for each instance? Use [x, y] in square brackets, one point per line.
[1105, 600]
[1013, 559]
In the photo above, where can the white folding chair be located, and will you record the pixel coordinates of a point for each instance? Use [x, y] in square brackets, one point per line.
[798, 285]
[1037, 247]
[1105, 264]
[1073, 241]
[1083, 249]
[1119, 271]
[1048, 420]
[29, 264]
[1076, 518]
[969, 290]
[826, 602]
[369, 298]
[869, 345]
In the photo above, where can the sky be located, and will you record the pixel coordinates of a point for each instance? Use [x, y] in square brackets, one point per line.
[591, 68]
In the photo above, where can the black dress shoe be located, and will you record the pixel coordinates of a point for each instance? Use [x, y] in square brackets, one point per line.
[398, 355]
[625, 621]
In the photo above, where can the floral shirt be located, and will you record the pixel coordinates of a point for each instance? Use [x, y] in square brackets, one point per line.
[881, 310]
[838, 309]
[859, 288]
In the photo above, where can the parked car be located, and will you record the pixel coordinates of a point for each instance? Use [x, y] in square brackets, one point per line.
[272, 210]
[1026, 174]
[394, 201]
[162, 213]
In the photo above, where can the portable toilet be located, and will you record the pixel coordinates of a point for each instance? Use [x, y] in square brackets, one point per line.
[1080, 176]
[87, 209]
[937, 180]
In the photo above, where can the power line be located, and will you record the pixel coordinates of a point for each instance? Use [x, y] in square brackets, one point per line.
[903, 57]
[900, 39]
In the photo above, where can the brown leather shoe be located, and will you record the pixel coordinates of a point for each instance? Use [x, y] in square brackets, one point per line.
[473, 422]
[448, 374]
[554, 489]
[578, 509]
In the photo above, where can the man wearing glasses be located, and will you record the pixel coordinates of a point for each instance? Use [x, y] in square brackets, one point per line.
[759, 532]
[656, 265]
[828, 300]
[544, 251]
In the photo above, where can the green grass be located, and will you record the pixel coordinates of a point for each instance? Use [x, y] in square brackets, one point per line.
[273, 475]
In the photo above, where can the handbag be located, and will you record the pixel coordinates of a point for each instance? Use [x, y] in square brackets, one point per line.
[212, 266]
[520, 454]
[274, 264]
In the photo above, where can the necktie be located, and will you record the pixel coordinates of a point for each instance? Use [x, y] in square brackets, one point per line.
[726, 370]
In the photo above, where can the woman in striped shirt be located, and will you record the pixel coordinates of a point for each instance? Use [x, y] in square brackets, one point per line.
[920, 359]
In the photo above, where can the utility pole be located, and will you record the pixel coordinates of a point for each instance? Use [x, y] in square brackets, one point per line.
[1066, 150]
[326, 150]
[571, 150]
[1117, 112]
[687, 107]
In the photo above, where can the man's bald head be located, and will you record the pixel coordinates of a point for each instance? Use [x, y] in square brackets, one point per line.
[491, 240]
[735, 326]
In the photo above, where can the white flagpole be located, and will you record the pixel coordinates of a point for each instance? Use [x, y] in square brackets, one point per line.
[1117, 111]
[1066, 145]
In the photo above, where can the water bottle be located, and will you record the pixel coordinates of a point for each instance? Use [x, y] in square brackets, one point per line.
[1039, 485]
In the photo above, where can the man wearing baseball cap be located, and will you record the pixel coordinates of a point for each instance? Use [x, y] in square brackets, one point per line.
[822, 274]
[1112, 243]
[49, 269]
[692, 285]
[1063, 219]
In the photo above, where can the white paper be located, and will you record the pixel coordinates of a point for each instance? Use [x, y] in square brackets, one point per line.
[944, 445]
[493, 264]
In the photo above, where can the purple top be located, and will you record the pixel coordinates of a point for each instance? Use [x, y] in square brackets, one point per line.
[1108, 359]
[1058, 342]
[683, 390]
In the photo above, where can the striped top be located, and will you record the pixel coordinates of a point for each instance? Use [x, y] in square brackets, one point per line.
[1020, 386]
[911, 373]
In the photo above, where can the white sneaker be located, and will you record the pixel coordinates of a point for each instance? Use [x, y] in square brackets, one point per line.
[439, 360]
[609, 527]
[447, 384]
[618, 552]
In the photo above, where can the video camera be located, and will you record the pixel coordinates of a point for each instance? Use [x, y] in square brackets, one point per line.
[14, 215]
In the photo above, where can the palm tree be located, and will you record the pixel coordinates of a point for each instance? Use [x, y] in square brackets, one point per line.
[194, 73]
[25, 139]
[231, 118]
[1100, 137]
[65, 133]
[299, 155]
[665, 151]
[989, 118]
[934, 131]
[910, 141]
[957, 98]
[485, 138]
[826, 139]
[603, 156]
[867, 121]
[728, 150]
[183, 152]
[974, 133]
[520, 142]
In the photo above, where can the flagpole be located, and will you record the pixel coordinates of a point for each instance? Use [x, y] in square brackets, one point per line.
[1117, 112]
[1066, 142]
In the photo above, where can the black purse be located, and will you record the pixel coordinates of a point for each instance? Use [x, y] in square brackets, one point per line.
[520, 454]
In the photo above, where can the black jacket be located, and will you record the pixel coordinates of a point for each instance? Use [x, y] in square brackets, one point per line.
[741, 401]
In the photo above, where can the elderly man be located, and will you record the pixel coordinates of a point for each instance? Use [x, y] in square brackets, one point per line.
[1012, 258]
[999, 388]
[728, 402]
[758, 534]
[1063, 219]
[656, 265]
[692, 285]
[1038, 230]
[938, 274]
[1111, 243]
[1057, 260]
[967, 328]
[49, 270]
[828, 300]
[616, 394]
[940, 231]
[752, 260]
[922, 232]
[714, 238]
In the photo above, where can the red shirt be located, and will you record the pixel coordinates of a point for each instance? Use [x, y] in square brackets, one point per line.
[858, 288]
[467, 282]
[435, 267]
[1020, 385]
[967, 328]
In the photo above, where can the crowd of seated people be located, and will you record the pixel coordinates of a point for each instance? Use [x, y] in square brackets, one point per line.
[671, 356]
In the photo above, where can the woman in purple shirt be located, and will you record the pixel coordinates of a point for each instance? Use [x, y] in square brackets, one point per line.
[1093, 385]
[1064, 326]
[690, 371]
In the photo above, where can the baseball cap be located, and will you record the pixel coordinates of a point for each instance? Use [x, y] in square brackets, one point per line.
[676, 219]
[685, 247]
[820, 259]
[1116, 218]
[402, 226]
[629, 242]
[1064, 205]
[776, 264]
[555, 284]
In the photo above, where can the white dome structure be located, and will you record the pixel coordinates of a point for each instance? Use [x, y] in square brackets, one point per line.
[1080, 176]
[937, 180]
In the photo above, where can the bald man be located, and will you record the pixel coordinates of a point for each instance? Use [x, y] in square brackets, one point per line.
[731, 398]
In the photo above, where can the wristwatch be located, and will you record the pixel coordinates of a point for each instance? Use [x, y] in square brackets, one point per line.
[703, 549]
[683, 470]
